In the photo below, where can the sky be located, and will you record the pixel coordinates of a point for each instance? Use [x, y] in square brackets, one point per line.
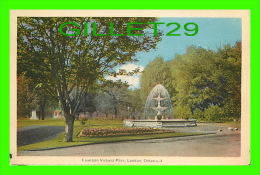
[213, 33]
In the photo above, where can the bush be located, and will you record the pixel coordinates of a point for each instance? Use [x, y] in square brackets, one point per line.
[214, 114]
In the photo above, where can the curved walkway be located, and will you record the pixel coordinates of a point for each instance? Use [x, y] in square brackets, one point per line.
[36, 133]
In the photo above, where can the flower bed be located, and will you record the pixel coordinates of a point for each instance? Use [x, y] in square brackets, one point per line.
[108, 132]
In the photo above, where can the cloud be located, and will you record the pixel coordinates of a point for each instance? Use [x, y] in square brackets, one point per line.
[133, 81]
[131, 67]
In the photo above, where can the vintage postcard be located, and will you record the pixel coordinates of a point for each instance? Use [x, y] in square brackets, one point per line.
[130, 87]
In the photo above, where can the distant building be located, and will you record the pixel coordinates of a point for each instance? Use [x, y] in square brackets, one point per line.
[58, 113]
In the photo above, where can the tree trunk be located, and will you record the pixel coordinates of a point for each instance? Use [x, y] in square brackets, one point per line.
[42, 110]
[115, 109]
[29, 114]
[69, 128]
[43, 101]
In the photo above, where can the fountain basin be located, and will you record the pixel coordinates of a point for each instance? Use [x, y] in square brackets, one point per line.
[164, 123]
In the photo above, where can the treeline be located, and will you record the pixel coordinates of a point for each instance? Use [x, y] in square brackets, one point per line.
[203, 84]
[114, 101]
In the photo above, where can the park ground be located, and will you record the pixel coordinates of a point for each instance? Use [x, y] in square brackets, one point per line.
[216, 141]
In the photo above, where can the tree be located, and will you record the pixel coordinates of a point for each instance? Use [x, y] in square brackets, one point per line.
[44, 100]
[26, 96]
[202, 83]
[193, 80]
[113, 100]
[74, 63]
[157, 72]
[208, 83]
[103, 103]
[31, 96]
[231, 64]
[136, 102]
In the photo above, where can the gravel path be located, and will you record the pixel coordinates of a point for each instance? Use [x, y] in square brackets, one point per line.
[206, 128]
[221, 144]
[36, 133]
[217, 145]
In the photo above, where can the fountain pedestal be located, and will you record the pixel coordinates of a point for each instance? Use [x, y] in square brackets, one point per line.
[159, 108]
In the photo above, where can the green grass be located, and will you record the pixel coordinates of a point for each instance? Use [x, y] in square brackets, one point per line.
[61, 122]
[58, 141]
[47, 122]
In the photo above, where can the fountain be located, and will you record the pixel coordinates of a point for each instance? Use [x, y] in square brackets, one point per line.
[158, 112]
[159, 108]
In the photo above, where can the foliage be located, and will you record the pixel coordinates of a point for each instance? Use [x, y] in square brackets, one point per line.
[118, 102]
[69, 67]
[31, 96]
[204, 84]
[157, 72]
[26, 96]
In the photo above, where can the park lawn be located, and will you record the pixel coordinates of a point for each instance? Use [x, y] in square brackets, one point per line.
[58, 143]
[48, 122]
[61, 122]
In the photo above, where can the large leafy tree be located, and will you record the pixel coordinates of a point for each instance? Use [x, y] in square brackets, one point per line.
[157, 72]
[68, 66]
[208, 83]
[194, 82]
[230, 59]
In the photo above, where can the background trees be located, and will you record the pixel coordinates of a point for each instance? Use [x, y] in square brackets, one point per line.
[26, 96]
[68, 66]
[203, 84]
[156, 72]
[31, 96]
